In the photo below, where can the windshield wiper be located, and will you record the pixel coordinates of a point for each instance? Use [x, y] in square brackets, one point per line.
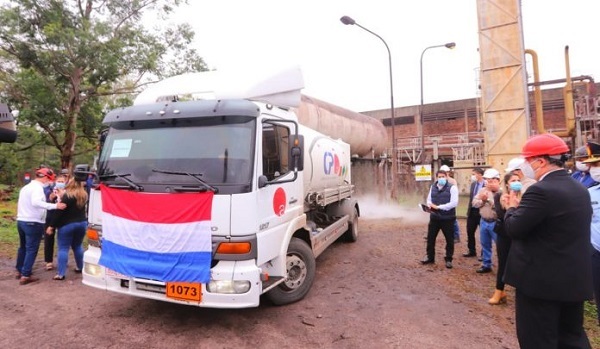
[131, 184]
[196, 176]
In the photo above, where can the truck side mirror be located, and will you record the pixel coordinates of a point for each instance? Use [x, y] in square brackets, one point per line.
[296, 152]
[8, 127]
[262, 181]
[81, 172]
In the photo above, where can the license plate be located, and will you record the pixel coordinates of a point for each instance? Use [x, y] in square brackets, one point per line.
[189, 291]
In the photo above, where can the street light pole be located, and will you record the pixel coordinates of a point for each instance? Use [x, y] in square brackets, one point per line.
[449, 45]
[349, 21]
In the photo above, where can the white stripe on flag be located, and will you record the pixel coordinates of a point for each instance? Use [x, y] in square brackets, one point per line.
[157, 237]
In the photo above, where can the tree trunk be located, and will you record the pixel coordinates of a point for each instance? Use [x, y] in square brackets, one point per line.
[73, 109]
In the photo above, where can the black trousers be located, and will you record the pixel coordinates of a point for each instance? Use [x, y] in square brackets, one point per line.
[472, 224]
[48, 246]
[549, 324]
[503, 243]
[596, 279]
[447, 227]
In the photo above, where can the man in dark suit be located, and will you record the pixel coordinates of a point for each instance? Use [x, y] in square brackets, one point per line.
[549, 262]
[473, 216]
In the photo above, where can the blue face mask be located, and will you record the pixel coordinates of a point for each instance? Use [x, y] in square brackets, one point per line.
[515, 186]
[442, 181]
[59, 185]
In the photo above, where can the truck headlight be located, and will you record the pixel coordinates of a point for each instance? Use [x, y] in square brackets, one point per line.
[228, 286]
[92, 269]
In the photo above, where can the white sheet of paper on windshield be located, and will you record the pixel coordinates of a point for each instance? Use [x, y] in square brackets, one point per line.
[120, 148]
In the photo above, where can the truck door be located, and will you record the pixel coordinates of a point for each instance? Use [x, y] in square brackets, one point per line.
[278, 202]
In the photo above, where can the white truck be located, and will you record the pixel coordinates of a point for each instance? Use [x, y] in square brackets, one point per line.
[281, 192]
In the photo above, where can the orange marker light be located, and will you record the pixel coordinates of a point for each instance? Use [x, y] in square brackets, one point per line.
[92, 234]
[234, 247]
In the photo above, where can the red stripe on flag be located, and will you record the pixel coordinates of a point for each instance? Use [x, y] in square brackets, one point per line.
[157, 208]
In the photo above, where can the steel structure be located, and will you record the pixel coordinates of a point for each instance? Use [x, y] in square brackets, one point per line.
[504, 97]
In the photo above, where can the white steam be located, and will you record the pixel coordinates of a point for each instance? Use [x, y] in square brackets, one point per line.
[373, 208]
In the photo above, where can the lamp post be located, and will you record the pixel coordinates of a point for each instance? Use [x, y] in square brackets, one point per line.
[449, 45]
[349, 21]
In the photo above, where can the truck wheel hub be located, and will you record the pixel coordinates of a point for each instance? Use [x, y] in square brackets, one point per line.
[296, 272]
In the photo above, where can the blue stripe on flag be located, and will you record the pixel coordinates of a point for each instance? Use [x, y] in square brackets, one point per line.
[166, 267]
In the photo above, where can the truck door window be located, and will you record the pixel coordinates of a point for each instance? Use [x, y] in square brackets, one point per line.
[275, 141]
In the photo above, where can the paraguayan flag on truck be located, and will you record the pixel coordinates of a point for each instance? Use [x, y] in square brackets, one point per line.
[163, 237]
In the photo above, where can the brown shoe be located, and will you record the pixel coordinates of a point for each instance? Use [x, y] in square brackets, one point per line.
[17, 275]
[27, 280]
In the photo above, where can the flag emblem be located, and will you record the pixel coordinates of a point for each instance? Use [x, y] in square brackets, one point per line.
[164, 237]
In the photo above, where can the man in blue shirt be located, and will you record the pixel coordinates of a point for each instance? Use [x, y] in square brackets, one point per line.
[594, 162]
[582, 169]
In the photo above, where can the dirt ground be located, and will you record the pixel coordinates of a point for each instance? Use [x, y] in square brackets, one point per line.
[370, 294]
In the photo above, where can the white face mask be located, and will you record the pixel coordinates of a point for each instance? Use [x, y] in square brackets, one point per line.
[595, 173]
[473, 178]
[581, 166]
[527, 170]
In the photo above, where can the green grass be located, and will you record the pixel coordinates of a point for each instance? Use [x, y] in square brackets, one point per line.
[590, 323]
[9, 238]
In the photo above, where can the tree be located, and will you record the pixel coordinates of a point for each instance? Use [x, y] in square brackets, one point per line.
[63, 63]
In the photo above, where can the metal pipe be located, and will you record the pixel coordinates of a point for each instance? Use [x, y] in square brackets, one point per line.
[569, 109]
[560, 81]
[449, 45]
[537, 90]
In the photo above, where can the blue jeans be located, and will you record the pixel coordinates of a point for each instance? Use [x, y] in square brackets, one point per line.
[30, 236]
[486, 236]
[456, 230]
[70, 236]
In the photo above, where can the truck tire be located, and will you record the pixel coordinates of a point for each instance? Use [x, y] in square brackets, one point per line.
[351, 235]
[300, 265]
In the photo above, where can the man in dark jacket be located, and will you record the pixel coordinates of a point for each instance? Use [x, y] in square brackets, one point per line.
[549, 262]
[442, 201]
[473, 216]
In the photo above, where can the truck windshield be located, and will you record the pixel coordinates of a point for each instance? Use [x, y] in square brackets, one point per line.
[216, 150]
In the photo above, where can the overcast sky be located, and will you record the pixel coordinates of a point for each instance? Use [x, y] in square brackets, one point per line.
[348, 66]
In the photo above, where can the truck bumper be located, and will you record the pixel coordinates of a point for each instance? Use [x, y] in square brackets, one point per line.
[97, 276]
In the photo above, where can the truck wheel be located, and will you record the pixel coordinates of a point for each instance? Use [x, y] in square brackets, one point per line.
[351, 235]
[300, 265]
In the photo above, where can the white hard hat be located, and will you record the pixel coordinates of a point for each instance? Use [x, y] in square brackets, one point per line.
[445, 168]
[514, 164]
[491, 173]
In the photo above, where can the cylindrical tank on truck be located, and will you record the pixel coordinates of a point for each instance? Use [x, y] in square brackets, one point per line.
[366, 135]
[326, 161]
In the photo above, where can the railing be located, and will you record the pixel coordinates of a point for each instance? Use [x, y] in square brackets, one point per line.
[587, 117]
[464, 146]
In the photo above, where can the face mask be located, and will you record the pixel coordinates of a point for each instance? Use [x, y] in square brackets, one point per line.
[515, 186]
[595, 173]
[46, 185]
[581, 166]
[442, 181]
[527, 170]
[473, 178]
[59, 185]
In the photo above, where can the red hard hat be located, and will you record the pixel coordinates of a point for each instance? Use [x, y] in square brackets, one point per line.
[45, 172]
[544, 144]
